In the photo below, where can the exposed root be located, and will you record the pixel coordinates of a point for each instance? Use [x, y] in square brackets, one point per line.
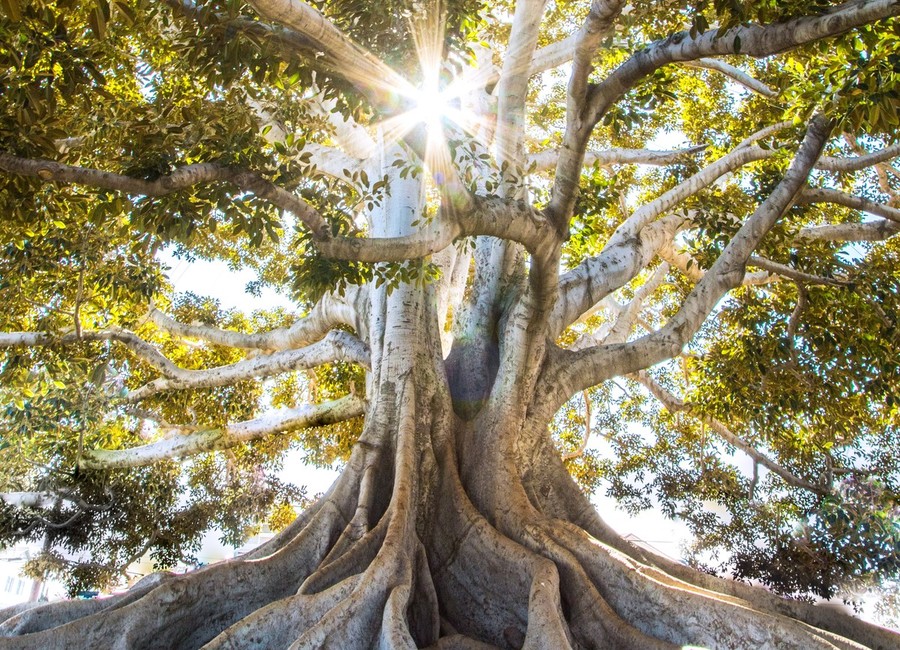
[591, 619]
[666, 608]
[183, 611]
[490, 587]
[45, 616]
[553, 491]
[546, 625]
[353, 561]
[359, 525]
[434, 571]
[7, 613]
[278, 624]
[423, 611]
[460, 642]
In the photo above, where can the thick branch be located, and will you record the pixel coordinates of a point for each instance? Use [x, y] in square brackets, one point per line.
[599, 21]
[825, 195]
[547, 159]
[878, 230]
[553, 55]
[176, 445]
[544, 58]
[336, 346]
[699, 181]
[330, 311]
[179, 179]
[834, 164]
[292, 41]
[752, 40]
[617, 264]
[583, 287]
[334, 48]
[501, 218]
[513, 84]
[576, 371]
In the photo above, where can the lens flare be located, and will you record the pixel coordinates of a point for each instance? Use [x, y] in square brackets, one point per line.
[432, 107]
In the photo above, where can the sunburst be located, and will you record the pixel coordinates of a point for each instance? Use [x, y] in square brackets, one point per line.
[440, 103]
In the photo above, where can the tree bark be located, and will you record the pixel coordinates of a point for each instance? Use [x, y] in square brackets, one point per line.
[454, 523]
[442, 532]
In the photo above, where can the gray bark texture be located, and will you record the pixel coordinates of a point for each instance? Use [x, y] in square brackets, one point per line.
[443, 531]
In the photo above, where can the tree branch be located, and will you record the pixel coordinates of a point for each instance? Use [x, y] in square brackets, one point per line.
[335, 49]
[291, 40]
[878, 230]
[513, 84]
[502, 218]
[179, 179]
[735, 74]
[792, 274]
[599, 22]
[176, 446]
[630, 249]
[752, 40]
[699, 181]
[617, 264]
[587, 430]
[553, 55]
[675, 405]
[764, 133]
[141, 348]
[618, 330]
[825, 195]
[834, 164]
[330, 311]
[547, 159]
[575, 371]
[31, 499]
[544, 58]
[335, 346]
[305, 31]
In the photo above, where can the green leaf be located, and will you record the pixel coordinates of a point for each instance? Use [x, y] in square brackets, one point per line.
[11, 8]
[98, 18]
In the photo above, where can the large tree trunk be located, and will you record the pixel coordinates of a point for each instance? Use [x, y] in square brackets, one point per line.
[443, 531]
[455, 523]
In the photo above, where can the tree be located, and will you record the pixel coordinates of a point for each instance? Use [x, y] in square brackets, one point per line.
[459, 199]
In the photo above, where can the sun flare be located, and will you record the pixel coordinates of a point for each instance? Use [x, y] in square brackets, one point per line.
[432, 107]
[447, 101]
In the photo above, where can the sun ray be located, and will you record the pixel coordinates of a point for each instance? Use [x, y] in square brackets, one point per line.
[444, 105]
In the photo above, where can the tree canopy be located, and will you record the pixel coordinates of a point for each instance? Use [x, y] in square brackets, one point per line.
[666, 228]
